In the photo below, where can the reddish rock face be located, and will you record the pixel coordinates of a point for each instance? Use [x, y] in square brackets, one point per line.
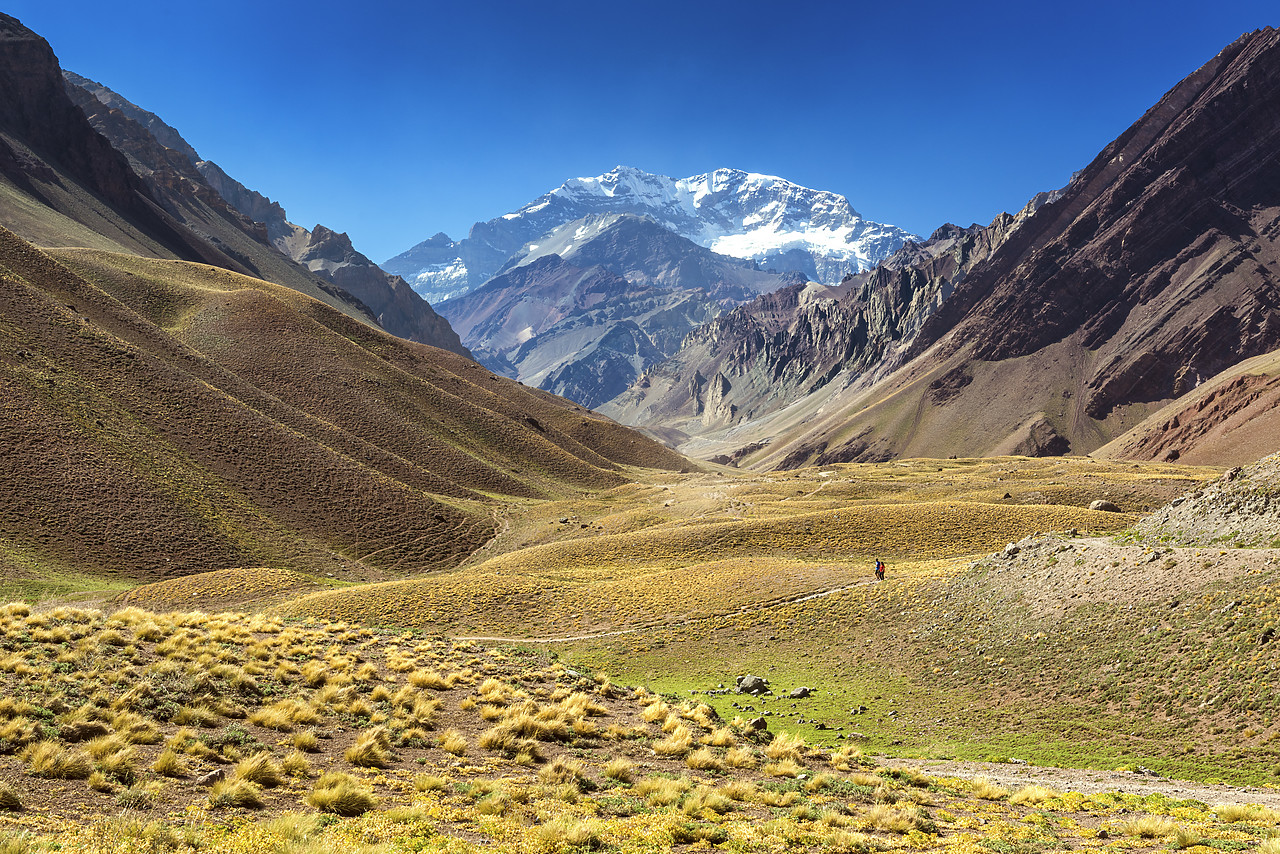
[1162, 255]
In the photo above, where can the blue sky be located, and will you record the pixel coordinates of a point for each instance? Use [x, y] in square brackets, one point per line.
[395, 120]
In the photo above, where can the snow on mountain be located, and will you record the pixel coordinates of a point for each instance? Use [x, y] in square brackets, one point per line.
[747, 215]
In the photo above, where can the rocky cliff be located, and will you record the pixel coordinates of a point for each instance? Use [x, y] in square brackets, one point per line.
[763, 356]
[243, 223]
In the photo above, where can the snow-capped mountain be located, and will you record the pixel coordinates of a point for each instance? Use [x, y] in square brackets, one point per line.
[746, 215]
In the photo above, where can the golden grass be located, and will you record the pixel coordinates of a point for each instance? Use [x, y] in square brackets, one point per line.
[341, 795]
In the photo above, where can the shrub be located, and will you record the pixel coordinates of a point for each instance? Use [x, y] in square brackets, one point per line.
[371, 750]
[49, 760]
[260, 768]
[235, 792]
[340, 794]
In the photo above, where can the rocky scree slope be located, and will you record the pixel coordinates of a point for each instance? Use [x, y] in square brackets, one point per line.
[761, 218]
[207, 201]
[1158, 267]
[757, 359]
[1239, 510]
[586, 308]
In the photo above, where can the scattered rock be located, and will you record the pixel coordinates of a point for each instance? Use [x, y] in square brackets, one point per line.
[800, 693]
[217, 775]
[753, 685]
[757, 724]
[1011, 550]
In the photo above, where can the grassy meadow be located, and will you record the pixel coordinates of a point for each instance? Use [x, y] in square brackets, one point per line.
[568, 687]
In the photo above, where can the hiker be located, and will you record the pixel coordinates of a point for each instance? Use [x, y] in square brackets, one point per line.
[879, 570]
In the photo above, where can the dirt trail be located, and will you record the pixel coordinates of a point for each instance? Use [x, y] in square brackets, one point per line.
[1014, 777]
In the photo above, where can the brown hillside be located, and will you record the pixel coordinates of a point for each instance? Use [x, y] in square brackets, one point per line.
[1158, 267]
[230, 422]
[1229, 420]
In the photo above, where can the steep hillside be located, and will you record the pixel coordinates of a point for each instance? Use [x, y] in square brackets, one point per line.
[162, 418]
[1228, 420]
[589, 306]
[737, 374]
[60, 181]
[1157, 268]
[251, 228]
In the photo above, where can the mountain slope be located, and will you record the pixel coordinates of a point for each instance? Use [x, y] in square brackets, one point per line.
[1159, 266]
[744, 215]
[251, 228]
[162, 418]
[735, 376]
[593, 303]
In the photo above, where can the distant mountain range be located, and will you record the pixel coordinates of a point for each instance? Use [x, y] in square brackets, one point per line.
[760, 218]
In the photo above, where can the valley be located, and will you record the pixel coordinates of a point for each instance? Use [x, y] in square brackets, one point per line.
[1018, 635]
[580, 559]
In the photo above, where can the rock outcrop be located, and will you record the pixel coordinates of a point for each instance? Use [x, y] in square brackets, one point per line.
[242, 223]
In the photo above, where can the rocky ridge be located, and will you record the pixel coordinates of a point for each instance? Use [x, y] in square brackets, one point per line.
[762, 356]
[761, 218]
[1241, 509]
[206, 200]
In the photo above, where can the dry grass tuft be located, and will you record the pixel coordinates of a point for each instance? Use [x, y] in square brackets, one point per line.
[49, 760]
[9, 799]
[984, 789]
[371, 750]
[341, 795]
[235, 793]
[1033, 795]
[260, 768]
[622, 770]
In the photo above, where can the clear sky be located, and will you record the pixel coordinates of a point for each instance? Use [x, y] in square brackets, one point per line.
[395, 120]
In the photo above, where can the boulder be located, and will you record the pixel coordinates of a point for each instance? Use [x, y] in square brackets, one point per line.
[1105, 506]
[753, 685]
[800, 693]
[217, 775]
